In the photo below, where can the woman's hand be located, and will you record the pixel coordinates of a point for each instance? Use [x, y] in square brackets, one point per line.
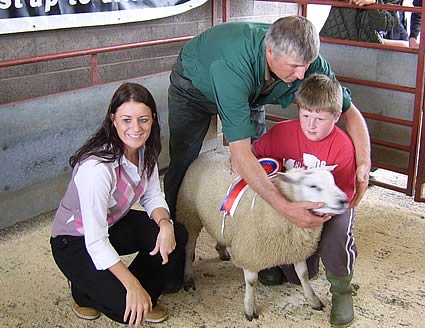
[138, 302]
[138, 305]
[165, 242]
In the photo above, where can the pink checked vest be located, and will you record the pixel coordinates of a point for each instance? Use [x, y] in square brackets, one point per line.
[126, 193]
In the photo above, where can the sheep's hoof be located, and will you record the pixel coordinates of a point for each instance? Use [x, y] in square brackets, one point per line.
[249, 317]
[188, 284]
[317, 304]
[222, 252]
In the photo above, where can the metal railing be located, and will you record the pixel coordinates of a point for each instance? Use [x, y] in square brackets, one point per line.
[415, 171]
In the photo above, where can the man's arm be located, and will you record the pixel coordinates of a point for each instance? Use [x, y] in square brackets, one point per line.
[245, 163]
[357, 129]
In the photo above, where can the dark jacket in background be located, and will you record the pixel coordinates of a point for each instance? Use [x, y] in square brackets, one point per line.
[357, 24]
[415, 20]
[399, 30]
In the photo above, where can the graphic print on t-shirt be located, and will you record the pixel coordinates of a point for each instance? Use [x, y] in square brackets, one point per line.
[308, 161]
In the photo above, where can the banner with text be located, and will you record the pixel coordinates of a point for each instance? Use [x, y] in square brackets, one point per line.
[36, 15]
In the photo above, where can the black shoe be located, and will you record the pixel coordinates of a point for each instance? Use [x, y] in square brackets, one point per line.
[272, 276]
[172, 286]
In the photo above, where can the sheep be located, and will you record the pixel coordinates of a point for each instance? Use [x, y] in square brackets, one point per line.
[257, 236]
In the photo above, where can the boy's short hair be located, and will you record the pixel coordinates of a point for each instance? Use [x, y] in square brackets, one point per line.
[320, 93]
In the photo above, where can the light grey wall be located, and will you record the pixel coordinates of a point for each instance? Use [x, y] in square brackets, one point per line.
[31, 80]
[382, 66]
[37, 135]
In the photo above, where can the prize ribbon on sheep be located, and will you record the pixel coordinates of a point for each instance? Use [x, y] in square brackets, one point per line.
[238, 187]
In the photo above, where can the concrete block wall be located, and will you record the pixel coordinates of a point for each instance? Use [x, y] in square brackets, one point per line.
[382, 66]
[39, 134]
[32, 80]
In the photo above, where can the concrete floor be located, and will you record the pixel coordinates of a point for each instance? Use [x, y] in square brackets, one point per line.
[390, 276]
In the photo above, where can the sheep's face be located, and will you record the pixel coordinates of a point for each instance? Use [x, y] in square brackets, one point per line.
[316, 185]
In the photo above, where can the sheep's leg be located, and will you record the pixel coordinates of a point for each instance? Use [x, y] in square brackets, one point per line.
[250, 308]
[222, 252]
[188, 281]
[311, 297]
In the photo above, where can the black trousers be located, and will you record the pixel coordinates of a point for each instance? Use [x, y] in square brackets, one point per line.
[189, 117]
[100, 289]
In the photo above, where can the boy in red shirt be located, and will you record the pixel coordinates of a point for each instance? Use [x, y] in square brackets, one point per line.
[313, 141]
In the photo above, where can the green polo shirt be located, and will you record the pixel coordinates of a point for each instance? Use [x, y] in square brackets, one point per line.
[227, 64]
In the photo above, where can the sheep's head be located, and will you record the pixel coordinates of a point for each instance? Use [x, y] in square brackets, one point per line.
[314, 185]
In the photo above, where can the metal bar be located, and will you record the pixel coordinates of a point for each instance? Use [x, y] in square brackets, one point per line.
[374, 84]
[346, 4]
[390, 145]
[379, 142]
[388, 186]
[225, 10]
[214, 12]
[420, 176]
[371, 45]
[387, 119]
[390, 167]
[94, 51]
[302, 10]
[274, 118]
[419, 104]
[94, 70]
[417, 114]
[225, 13]
[377, 117]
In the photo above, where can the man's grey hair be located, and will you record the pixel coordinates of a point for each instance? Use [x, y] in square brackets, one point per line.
[293, 36]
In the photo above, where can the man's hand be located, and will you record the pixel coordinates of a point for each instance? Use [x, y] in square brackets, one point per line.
[300, 214]
[362, 182]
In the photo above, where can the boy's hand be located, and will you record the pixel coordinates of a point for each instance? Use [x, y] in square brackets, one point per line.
[362, 182]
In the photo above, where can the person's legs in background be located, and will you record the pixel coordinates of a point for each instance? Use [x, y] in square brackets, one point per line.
[189, 118]
[286, 273]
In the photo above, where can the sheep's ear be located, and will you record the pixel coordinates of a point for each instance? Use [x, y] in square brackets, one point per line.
[329, 168]
[291, 176]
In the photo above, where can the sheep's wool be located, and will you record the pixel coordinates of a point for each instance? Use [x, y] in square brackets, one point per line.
[259, 238]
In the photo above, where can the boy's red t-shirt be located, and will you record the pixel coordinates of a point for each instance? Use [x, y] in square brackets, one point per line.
[286, 141]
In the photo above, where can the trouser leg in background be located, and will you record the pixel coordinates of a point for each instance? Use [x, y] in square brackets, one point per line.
[258, 118]
[189, 117]
[100, 289]
[312, 266]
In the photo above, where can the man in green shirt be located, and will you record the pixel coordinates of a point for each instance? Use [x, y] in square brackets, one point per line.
[234, 69]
